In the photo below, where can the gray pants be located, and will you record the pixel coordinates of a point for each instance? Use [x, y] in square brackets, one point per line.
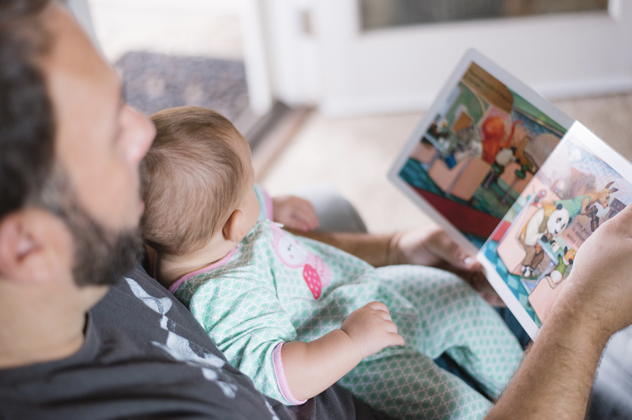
[612, 390]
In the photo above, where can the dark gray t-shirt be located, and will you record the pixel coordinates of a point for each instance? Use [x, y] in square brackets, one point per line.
[146, 357]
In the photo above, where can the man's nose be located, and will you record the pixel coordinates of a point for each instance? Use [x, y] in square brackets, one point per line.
[141, 136]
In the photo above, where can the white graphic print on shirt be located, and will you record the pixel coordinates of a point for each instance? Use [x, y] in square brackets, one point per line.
[179, 347]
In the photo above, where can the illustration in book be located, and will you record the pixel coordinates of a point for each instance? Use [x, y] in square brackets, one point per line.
[569, 197]
[480, 152]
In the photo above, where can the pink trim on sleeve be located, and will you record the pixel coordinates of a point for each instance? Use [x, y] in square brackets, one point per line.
[213, 266]
[280, 375]
[268, 202]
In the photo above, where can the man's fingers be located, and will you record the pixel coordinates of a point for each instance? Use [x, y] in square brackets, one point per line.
[478, 281]
[304, 212]
[308, 214]
[296, 224]
[378, 306]
[305, 220]
[623, 220]
[471, 263]
[493, 299]
[302, 225]
[451, 252]
[295, 213]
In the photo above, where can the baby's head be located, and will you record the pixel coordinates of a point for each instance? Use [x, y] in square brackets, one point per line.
[198, 184]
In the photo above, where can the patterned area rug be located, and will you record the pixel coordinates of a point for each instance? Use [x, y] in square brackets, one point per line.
[153, 82]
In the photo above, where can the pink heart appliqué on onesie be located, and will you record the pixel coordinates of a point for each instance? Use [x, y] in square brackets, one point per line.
[313, 280]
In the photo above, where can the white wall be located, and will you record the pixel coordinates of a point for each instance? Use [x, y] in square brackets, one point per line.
[348, 72]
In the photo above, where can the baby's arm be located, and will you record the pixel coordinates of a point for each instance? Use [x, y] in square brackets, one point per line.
[312, 367]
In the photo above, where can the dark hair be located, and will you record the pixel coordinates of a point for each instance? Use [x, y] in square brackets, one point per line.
[27, 126]
[193, 179]
[28, 174]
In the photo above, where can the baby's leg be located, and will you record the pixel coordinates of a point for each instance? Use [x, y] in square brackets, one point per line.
[452, 318]
[412, 386]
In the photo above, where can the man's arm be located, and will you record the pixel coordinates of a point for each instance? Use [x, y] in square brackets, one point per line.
[555, 380]
[422, 246]
[377, 250]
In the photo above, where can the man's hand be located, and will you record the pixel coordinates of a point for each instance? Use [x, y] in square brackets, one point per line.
[595, 303]
[435, 248]
[430, 247]
[372, 329]
[600, 284]
[294, 213]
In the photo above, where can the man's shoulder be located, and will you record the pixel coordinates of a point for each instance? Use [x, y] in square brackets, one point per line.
[143, 356]
[146, 357]
[141, 309]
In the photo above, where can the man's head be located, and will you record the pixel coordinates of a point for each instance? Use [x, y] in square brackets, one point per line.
[198, 175]
[69, 155]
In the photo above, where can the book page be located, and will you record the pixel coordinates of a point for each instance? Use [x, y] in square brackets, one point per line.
[582, 185]
[477, 149]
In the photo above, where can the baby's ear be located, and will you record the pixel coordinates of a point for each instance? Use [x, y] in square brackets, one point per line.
[232, 228]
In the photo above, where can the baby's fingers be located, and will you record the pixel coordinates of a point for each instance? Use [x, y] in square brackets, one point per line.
[306, 213]
[298, 224]
[378, 306]
[386, 316]
[395, 339]
[391, 327]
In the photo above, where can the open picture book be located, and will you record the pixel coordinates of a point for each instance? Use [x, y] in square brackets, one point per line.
[513, 180]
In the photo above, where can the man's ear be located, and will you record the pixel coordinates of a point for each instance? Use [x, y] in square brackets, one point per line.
[35, 247]
[232, 228]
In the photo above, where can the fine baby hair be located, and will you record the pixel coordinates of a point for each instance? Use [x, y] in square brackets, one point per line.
[193, 179]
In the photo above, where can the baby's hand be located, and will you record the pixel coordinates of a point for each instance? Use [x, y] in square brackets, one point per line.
[294, 213]
[372, 329]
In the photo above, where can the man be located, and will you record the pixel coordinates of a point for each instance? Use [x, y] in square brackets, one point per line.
[69, 208]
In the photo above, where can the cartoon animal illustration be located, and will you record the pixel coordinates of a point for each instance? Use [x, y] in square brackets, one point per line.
[532, 260]
[586, 205]
[505, 156]
[602, 198]
[546, 223]
[315, 272]
[437, 132]
[564, 262]
[522, 139]
[494, 138]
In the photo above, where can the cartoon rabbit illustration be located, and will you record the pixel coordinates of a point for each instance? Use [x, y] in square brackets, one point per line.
[315, 272]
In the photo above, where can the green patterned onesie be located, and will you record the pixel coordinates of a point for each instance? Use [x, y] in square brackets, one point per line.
[276, 288]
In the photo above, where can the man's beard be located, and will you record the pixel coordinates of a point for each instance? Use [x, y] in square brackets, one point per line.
[102, 256]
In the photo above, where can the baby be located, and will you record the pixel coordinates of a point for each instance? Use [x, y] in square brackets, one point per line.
[297, 315]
